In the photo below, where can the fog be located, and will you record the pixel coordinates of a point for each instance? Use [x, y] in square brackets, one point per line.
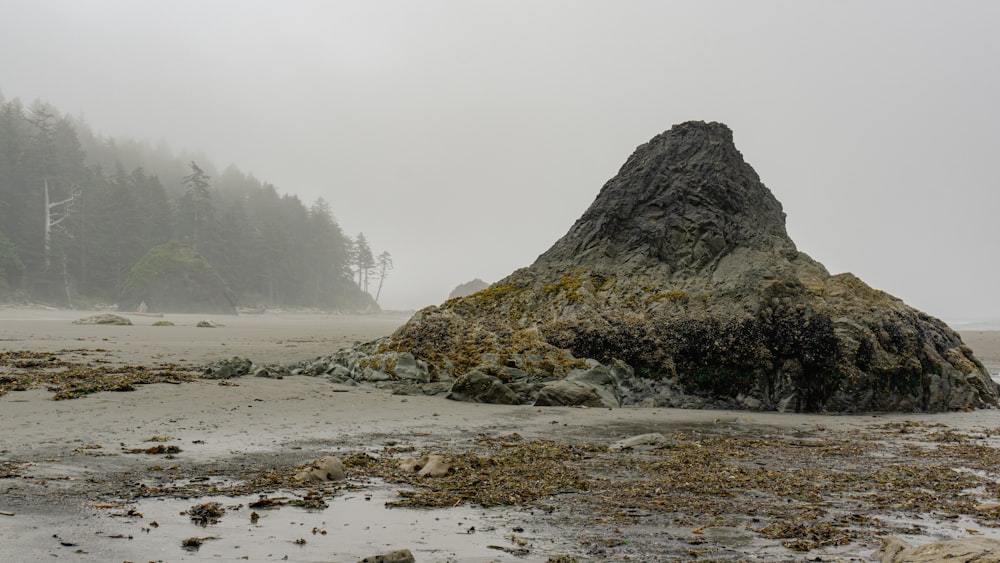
[466, 137]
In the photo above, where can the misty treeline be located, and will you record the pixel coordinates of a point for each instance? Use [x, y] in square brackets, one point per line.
[78, 211]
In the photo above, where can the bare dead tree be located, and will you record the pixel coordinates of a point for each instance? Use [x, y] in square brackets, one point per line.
[55, 213]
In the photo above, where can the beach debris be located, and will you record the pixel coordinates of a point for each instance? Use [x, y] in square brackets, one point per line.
[103, 319]
[313, 500]
[642, 442]
[435, 466]
[163, 323]
[254, 517]
[511, 474]
[266, 502]
[516, 551]
[5, 513]
[327, 468]
[206, 513]
[432, 465]
[398, 556]
[412, 464]
[73, 373]
[156, 450]
[160, 438]
[965, 550]
[194, 543]
[207, 324]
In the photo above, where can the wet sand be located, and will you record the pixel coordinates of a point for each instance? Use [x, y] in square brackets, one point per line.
[68, 461]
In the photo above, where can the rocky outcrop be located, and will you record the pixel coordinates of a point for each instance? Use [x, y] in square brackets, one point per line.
[680, 287]
[468, 288]
[174, 278]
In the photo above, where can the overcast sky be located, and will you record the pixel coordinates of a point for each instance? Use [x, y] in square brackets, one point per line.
[466, 137]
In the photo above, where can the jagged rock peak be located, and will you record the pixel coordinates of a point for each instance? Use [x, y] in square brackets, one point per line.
[682, 200]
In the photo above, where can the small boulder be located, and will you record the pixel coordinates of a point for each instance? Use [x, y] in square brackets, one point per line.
[565, 393]
[206, 324]
[105, 319]
[478, 387]
[328, 468]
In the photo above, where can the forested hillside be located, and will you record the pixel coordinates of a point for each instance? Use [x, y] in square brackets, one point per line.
[78, 211]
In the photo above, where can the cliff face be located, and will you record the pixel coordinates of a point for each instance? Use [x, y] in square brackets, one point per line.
[679, 286]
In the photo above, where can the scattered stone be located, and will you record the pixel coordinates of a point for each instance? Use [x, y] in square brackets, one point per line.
[233, 367]
[163, 323]
[965, 550]
[327, 468]
[567, 393]
[642, 442]
[206, 324]
[398, 556]
[408, 367]
[103, 319]
[478, 387]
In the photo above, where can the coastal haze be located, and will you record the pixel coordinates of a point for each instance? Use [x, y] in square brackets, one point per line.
[465, 138]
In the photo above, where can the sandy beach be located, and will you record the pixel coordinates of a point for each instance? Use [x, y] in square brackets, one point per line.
[75, 483]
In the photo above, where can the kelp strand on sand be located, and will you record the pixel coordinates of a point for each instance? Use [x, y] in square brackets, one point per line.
[71, 374]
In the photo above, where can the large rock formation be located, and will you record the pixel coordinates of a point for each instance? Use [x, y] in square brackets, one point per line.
[468, 288]
[174, 278]
[680, 287]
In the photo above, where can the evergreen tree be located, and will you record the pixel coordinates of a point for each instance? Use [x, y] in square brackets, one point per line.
[383, 264]
[197, 211]
[364, 261]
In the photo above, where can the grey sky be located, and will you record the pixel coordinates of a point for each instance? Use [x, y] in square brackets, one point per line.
[466, 137]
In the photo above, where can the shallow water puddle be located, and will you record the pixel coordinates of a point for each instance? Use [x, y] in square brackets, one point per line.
[353, 526]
